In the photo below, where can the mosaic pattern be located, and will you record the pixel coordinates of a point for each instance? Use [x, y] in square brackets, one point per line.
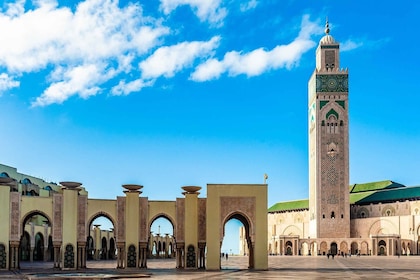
[190, 256]
[69, 257]
[2, 256]
[332, 83]
[131, 256]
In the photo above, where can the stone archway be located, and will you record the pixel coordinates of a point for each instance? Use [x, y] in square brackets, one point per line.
[354, 248]
[35, 243]
[100, 229]
[382, 248]
[246, 224]
[289, 248]
[246, 203]
[344, 249]
[333, 248]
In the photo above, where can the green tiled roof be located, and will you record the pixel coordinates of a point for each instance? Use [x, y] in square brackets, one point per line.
[290, 205]
[387, 195]
[361, 194]
[373, 186]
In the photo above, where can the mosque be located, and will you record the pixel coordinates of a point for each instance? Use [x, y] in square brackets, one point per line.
[377, 218]
[54, 222]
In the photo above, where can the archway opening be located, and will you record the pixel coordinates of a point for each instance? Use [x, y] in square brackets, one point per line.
[36, 241]
[161, 245]
[354, 248]
[333, 249]
[236, 231]
[382, 248]
[289, 248]
[100, 243]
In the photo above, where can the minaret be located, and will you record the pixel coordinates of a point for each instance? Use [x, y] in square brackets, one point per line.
[329, 207]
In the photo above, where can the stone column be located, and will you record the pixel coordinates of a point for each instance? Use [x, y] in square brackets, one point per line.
[81, 254]
[45, 225]
[121, 255]
[14, 255]
[202, 255]
[5, 218]
[70, 221]
[97, 244]
[143, 255]
[57, 254]
[180, 254]
[191, 225]
[132, 226]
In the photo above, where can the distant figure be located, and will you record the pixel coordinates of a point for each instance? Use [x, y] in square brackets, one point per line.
[227, 255]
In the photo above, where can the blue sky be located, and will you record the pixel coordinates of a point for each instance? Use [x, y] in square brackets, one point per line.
[183, 92]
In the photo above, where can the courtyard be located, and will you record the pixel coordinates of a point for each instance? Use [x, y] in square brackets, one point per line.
[235, 267]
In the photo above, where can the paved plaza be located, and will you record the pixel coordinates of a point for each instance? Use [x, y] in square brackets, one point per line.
[281, 267]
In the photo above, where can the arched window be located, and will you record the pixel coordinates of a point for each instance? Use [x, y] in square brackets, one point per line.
[332, 122]
[26, 181]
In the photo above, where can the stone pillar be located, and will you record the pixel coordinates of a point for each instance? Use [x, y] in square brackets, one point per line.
[143, 255]
[97, 244]
[202, 255]
[45, 225]
[81, 254]
[132, 210]
[121, 255]
[191, 226]
[180, 254]
[57, 254]
[70, 221]
[5, 219]
[14, 255]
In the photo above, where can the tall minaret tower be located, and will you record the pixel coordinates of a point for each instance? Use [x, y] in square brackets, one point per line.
[329, 207]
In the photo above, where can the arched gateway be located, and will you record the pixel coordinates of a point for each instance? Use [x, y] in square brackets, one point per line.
[67, 215]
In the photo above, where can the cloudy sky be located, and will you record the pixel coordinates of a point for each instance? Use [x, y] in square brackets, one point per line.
[187, 92]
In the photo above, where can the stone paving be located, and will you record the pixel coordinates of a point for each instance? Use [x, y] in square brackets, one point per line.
[280, 267]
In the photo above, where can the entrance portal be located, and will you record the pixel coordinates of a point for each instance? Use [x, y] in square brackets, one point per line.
[333, 249]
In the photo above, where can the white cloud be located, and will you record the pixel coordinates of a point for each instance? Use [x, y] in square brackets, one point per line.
[260, 60]
[350, 45]
[7, 82]
[97, 35]
[166, 61]
[124, 88]
[81, 80]
[251, 4]
[206, 10]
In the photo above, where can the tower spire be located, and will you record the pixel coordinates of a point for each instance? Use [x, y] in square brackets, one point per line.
[327, 27]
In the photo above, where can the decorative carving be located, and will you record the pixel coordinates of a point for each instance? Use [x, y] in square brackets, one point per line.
[81, 228]
[120, 219]
[69, 256]
[14, 212]
[57, 217]
[131, 256]
[180, 219]
[332, 199]
[3, 256]
[332, 83]
[190, 256]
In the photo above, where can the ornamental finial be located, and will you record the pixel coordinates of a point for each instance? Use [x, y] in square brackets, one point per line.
[327, 27]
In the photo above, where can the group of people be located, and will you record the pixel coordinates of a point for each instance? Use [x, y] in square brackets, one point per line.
[224, 255]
